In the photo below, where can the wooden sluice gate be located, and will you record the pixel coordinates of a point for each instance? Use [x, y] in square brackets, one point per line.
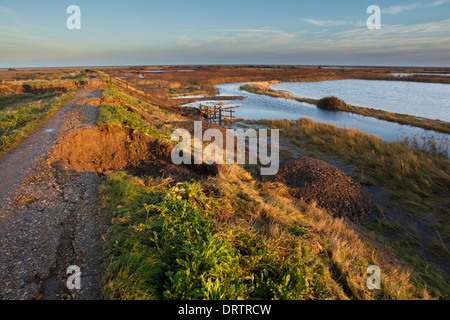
[218, 114]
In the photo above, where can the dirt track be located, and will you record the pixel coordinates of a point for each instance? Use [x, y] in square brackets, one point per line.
[49, 213]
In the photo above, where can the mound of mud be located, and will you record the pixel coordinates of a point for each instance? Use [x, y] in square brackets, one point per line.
[103, 149]
[333, 190]
[109, 148]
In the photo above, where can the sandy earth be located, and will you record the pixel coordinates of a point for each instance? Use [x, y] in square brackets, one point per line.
[49, 213]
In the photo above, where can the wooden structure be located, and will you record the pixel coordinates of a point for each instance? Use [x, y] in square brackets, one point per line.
[218, 114]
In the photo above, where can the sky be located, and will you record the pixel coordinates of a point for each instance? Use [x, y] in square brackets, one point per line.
[185, 32]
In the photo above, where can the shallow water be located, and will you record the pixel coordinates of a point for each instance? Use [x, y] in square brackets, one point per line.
[189, 97]
[429, 100]
[420, 74]
[347, 68]
[162, 71]
[156, 71]
[257, 107]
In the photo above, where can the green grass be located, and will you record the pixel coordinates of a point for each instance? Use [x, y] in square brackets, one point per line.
[21, 115]
[12, 101]
[117, 114]
[239, 240]
[76, 77]
[166, 244]
[59, 79]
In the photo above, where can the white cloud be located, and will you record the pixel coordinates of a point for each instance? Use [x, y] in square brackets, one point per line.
[328, 23]
[433, 29]
[401, 8]
[251, 30]
[391, 38]
[439, 2]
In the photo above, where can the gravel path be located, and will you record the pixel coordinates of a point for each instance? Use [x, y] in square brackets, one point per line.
[49, 214]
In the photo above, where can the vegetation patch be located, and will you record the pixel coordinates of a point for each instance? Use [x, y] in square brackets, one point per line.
[21, 115]
[119, 114]
[332, 104]
[177, 242]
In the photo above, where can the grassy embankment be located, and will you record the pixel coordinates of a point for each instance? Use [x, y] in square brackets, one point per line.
[429, 124]
[416, 178]
[411, 78]
[231, 237]
[22, 114]
[115, 112]
[206, 90]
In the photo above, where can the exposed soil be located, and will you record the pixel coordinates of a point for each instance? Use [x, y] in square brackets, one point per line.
[333, 190]
[110, 148]
[105, 149]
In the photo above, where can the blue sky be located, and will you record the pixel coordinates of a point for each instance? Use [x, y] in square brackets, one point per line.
[134, 32]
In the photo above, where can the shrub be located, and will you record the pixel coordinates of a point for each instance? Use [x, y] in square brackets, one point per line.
[332, 104]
